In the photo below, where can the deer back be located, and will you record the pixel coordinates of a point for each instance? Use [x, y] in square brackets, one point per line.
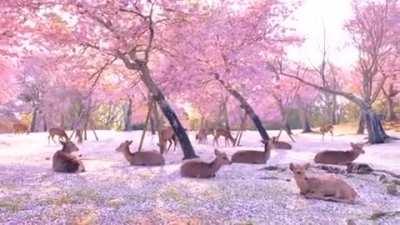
[64, 161]
[335, 157]
[148, 158]
[251, 156]
[198, 169]
[58, 131]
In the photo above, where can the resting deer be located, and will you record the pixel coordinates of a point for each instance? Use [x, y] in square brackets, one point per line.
[60, 132]
[152, 158]
[253, 157]
[20, 128]
[167, 135]
[201, 136]
[64, 161]
[200, 169]
[326, 187]
[276, 144]
[339, 157]
[226, 134]
[325, 129]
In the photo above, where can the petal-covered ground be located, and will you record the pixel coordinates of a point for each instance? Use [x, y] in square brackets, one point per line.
[112, 192]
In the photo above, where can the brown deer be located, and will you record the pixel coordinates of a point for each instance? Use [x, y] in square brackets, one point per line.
[64, 161]
[276, 144]
[201, 136]
[60, 132]
[226, 134]
[253, 157]
[167, 135]
[325, 129]
[339, 157]
[20, 128]
[326, 187]
[199, 169]
[152, 158]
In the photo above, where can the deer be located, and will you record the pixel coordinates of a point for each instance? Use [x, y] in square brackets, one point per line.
[340, 157]
[201, 136]
[325, 129]
[326, 187]
[64, 161]
[276, 144]
[148, 158]
[20, 128]
[252, 156]
[225, 133]
[167, 135]
[201, 169]
[60, 132]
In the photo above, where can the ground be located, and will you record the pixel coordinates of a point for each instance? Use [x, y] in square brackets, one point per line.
[112, 192]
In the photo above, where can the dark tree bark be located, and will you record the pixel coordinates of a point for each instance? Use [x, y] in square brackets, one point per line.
[246, 107]
[390, 104]
[306, 122]
[361, 124]
[34, 119]
[128, 116]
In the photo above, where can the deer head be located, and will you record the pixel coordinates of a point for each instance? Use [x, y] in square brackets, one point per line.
[69, 146]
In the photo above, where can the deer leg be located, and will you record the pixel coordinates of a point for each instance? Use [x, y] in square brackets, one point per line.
[169, 146]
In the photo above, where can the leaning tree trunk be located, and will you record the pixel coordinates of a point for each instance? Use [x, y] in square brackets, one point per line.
[168, 112]
[376, 133]
[246, 107]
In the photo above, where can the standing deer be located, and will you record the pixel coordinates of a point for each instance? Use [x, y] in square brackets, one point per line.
[167, 135]
[340, 157]
[276, 144]
[20, 128]
[253, 157]
[60, 132]
[325, 129]
[64, 161]
[327, 187]
[226, 134]
[201, 136]
[152, 158]
[199, 169]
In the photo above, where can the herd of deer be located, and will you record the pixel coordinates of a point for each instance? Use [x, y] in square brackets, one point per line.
[324, 187]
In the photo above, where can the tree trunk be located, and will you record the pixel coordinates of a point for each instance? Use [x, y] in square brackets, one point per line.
[168, 112]
[391, 115]
[152, 125]
[334, 120]
[34, 119]
[376, 133]
[305, 121]
[128, 116]
[246, 107]
[226, 114]
[44, 122]
[361, 124]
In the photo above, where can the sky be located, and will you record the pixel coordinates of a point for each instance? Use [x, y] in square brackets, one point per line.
[312, 16]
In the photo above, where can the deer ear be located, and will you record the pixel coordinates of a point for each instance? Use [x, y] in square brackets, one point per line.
[62, 142]
[291, 166]
[130, 142]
